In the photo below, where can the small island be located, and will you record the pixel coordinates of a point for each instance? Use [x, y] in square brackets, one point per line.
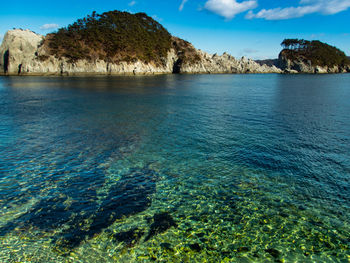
[305, 56]
[120, 43]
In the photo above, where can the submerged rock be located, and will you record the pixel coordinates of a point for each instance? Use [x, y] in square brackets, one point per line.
[51, 213]
[242, 249]
[130, 237]
[161, 223]
[71, 211]
[273, 252]
[195, 247]
[130, 195]
[167, 247]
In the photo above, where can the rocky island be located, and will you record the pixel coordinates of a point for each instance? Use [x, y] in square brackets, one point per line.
[305, 56]
[122, 43]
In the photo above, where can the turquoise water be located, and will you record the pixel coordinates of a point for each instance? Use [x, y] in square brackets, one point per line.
[175, 168]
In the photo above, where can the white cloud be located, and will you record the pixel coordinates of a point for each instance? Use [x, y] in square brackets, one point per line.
[250, 51]
[319, 35]
[229, 8]
[182, 5]
[49, 26]
[132, 3]
[155, 17]
[326, 7]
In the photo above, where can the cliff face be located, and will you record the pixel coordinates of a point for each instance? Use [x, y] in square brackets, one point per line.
[18, 49]
[22, 52]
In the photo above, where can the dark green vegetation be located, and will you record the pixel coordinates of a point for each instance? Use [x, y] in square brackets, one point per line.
[320, 54]
[112, 36]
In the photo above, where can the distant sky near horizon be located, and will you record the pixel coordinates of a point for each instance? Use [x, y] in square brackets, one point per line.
[252, 28]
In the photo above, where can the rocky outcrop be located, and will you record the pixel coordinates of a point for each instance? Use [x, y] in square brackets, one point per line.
[191, 60]
[225, 64]
[302, 65]
[22, 52]
[18, 49]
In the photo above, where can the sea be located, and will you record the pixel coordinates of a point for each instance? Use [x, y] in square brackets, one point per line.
[175, 168]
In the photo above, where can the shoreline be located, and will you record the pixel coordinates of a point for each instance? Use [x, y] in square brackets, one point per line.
[98, 74]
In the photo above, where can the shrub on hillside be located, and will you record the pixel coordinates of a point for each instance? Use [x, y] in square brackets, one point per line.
[112, 36]
[317, 52]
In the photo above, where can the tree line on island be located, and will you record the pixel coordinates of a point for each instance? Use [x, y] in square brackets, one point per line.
[112, 36]
[117, 36]
[317, 52]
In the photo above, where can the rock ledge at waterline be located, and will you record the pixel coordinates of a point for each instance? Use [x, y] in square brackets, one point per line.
[22, 53]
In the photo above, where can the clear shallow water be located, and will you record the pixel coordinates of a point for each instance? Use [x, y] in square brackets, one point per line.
[208, 168]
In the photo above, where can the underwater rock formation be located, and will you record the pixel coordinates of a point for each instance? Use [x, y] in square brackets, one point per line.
[130, 237]
[129, 195]
[161, 223]
[273, 252]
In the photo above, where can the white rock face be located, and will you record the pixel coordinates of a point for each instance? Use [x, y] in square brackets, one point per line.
[21, 53]
[226, 64]
[299, 65]
[18, 49]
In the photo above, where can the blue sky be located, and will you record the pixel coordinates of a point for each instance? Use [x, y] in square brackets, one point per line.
[254, 28]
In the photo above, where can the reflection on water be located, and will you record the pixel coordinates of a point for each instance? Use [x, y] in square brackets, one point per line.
[232, 168]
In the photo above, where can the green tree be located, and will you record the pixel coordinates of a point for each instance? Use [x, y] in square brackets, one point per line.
[113, 36]
[317, 52]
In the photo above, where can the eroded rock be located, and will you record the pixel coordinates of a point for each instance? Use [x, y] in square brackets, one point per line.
[22, 53]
